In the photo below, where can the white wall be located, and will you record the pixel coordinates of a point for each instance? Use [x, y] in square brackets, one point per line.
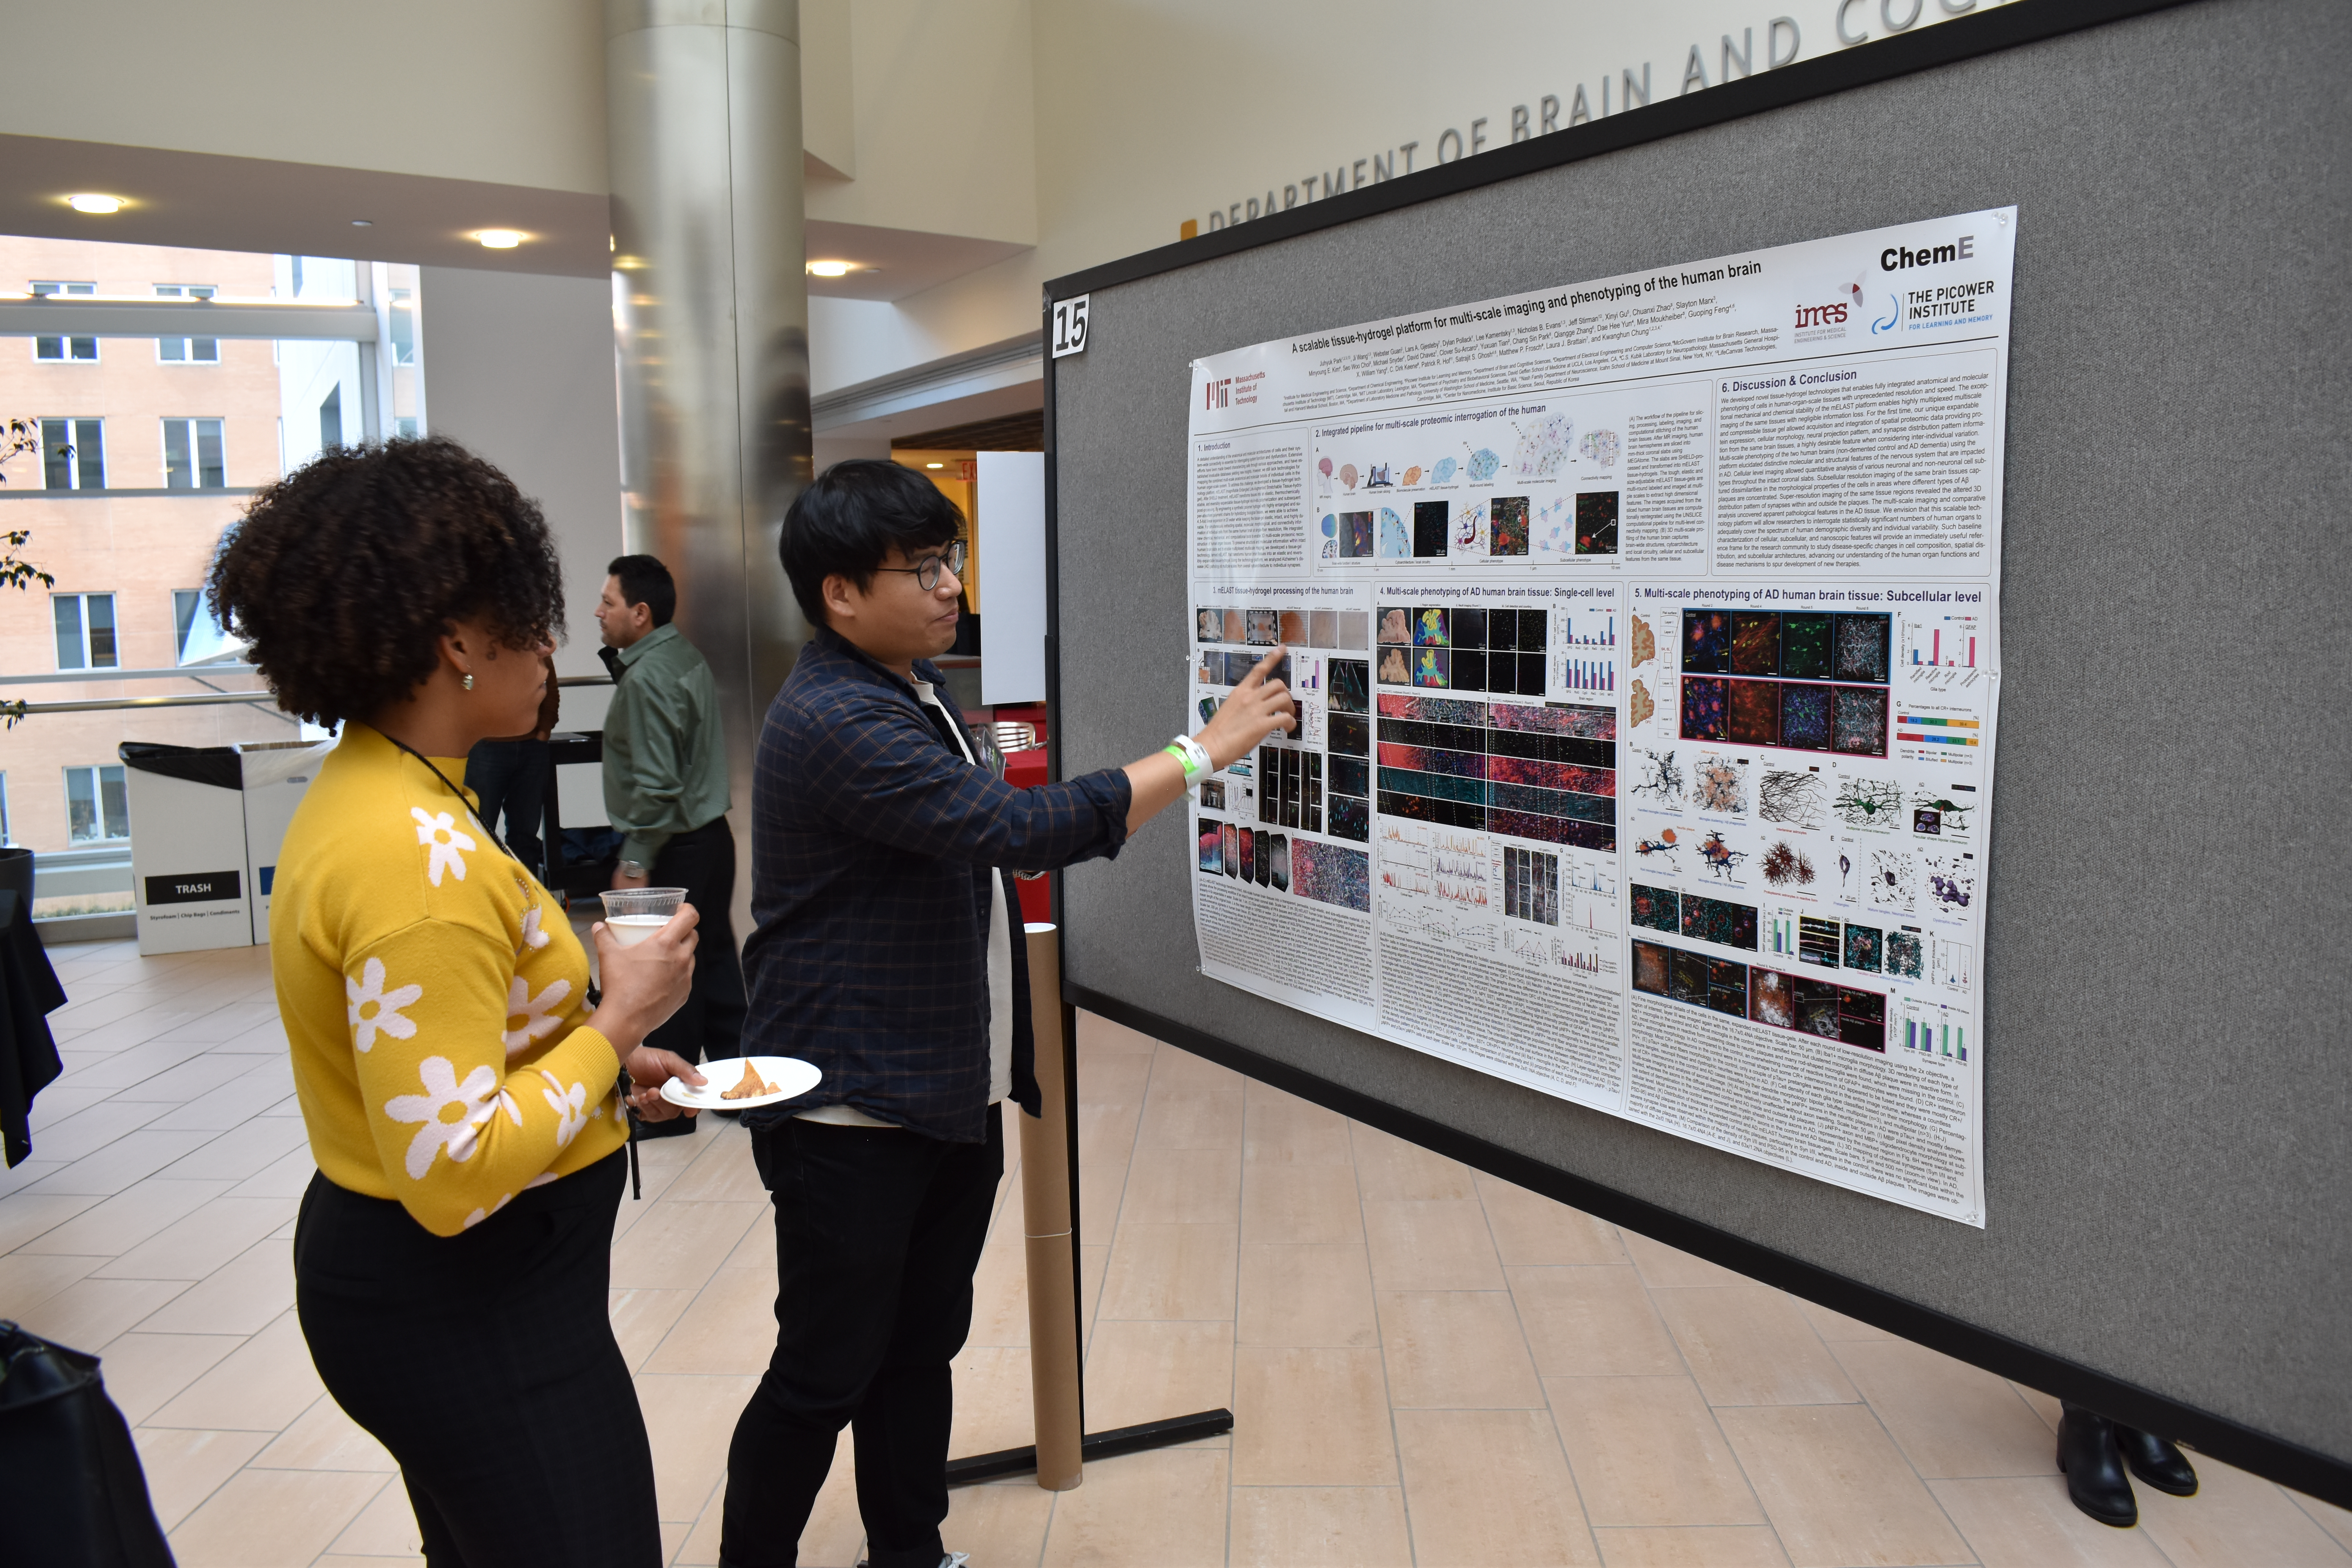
[519, 367]
[511, 91]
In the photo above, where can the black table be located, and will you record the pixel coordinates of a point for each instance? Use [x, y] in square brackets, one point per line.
[29, 992]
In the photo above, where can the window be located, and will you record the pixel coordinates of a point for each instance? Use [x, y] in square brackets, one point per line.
[404, 427]
[192, 455]
[73, 454]
[85, 631]
[187, 351]
[404, 326]
[63, 350]
[98, 805]
[330, 418]
[187, 603]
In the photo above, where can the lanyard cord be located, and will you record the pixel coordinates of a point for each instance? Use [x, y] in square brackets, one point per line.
[498, 843]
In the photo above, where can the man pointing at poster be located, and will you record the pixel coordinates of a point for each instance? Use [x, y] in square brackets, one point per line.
[882, 855]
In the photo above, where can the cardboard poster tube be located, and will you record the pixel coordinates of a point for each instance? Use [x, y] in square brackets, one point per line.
[1045, 1177]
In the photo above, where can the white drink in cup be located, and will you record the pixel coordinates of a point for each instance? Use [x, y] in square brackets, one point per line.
[633, 914]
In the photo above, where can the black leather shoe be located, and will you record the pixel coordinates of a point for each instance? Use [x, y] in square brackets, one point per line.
[2094, 1467]
[2157, 1460]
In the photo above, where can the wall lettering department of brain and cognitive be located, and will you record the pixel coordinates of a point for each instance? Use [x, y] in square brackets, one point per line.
[1645, 632]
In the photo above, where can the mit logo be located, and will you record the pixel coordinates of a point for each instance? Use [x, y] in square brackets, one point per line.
[1219, 393]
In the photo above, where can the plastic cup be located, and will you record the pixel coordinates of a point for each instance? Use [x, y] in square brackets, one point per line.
[633, 914]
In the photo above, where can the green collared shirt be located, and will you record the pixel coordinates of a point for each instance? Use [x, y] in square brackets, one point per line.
[665, 748]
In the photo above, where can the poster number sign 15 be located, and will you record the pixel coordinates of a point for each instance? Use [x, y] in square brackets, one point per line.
[1647, 637]
[1070, 326]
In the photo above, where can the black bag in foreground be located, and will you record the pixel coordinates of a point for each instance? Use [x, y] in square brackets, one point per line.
[72, 1494]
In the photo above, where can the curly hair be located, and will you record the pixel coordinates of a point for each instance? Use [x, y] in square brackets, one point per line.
[344, 574]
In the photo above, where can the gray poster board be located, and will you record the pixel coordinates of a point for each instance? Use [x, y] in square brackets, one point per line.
[2167, 1060]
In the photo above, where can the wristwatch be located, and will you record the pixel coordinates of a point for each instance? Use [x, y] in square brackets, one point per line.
[632, 868]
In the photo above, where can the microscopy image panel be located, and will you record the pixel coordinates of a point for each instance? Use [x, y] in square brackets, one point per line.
[1354, 631]
[1396, 623]
[1862, 647]
[1249, 855]
[1860, 719]
[1755, 717]
[1534, 628]
[1804, 717]
[1861, 1018]
[1432, 760]
[1238, 665]
[1470, 667]
[1552, 775]
[1704, 710]
[1502, 628]
[1351, 776]
[1432, 709]
[1355, 534]
[1863, 947]
[1720, 921]
[1295, 632]
[1531, 673]
[1351, 686]
[1905, 950]
[1264, 627]
[1350, 735]
[1281, 863]
[1323, 629]
[1805, 647]
[1686, 977]
[1396, 542]
[1349, 817]
[1212, 849]
[1396, 666]
[1596, 522]
[1650, 968]
[1433, 627]
[1429, 521]
[1506, 524]
[1727, 988]
[1576, 719]
[1755, 642]
[1706, 642]
[1209, 626]
[1331, 874]
[1771, 1000]
[1233, 849]
[1656, 909]
[1817, 1006]
[1432, 667]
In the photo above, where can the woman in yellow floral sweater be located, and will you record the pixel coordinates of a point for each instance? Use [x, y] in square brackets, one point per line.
[452, 1254]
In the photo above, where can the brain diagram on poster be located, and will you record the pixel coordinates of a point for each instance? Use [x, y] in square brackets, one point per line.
[1646, 643]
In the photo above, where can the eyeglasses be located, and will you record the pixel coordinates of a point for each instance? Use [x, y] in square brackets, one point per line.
[925, 572]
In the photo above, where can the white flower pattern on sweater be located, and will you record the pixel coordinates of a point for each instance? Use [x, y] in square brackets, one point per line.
[570, 1106]
[367, 992]
[476, 1100]
[533, 936]
[538, 1013]
[440, 830]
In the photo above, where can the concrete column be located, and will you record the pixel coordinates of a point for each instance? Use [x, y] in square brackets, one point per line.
[710, 316]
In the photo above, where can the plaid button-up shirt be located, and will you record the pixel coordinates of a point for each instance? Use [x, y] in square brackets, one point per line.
[872, 844]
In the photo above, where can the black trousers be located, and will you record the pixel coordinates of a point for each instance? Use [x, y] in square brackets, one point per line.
[709, 1026]
[510, 778]
[878, 1233]
[485, 1362]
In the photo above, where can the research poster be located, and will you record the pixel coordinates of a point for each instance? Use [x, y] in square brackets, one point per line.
[1647, 640]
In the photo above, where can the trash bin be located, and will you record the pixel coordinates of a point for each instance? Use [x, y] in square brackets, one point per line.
[206, 824]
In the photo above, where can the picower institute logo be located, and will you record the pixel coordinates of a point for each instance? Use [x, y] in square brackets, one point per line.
[1219, 393]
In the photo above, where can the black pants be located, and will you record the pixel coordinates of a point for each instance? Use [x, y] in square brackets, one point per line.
[510, 779]
[709, 1026]
[485, 1362]
[877, 1233]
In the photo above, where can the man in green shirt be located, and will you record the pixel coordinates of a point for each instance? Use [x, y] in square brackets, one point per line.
[666, 794]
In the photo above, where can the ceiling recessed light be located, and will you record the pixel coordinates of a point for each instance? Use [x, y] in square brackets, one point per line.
[832, 269]
[362, 222]
[499, 238]
[935, 464]
[91, 202]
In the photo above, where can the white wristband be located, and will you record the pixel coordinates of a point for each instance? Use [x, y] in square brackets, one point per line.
[1194, 757]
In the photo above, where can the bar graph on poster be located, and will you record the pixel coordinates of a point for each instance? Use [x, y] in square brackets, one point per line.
[1645, 634]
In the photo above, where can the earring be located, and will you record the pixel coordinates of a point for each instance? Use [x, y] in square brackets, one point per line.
[469, 680]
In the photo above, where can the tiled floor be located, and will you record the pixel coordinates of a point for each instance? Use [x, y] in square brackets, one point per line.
[1426, 1366]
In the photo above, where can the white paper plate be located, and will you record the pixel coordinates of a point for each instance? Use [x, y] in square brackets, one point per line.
[788, 1074]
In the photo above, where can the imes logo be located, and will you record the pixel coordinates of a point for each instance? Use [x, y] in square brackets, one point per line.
[1220, 393]
[1820, 315]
